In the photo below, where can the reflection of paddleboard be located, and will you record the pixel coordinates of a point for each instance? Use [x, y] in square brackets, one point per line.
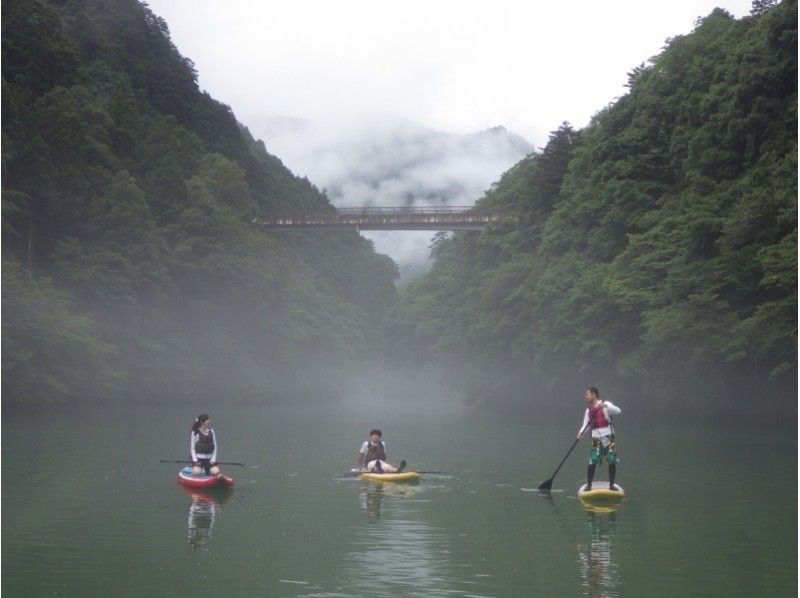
[216, 494]
[601, 508]
[600, 490]
[405, 476]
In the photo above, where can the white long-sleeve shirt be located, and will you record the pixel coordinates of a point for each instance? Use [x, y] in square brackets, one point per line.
[610, 409]
[196, 456]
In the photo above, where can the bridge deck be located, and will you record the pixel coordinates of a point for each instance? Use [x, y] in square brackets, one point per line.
[383, 218]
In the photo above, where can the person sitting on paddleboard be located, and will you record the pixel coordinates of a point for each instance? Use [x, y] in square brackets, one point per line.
[372, 454]
[203, 447]
[604, 448]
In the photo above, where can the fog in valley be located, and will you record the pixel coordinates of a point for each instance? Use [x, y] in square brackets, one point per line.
[132, 267]
[189, 378]
[391, 162]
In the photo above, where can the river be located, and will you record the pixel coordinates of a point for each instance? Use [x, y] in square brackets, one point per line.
[88, 510]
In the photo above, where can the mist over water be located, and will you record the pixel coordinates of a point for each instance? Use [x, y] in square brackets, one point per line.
[91, 505]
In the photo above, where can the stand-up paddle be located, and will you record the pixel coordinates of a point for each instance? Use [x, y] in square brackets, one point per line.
[190, 462]
[547, 485]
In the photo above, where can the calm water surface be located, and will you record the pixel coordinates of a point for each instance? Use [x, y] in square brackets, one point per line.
[87, 510]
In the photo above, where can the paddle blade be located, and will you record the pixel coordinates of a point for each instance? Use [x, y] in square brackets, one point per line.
[546, 486]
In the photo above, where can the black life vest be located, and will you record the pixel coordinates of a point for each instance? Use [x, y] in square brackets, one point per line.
[204, 445]
[375, 451]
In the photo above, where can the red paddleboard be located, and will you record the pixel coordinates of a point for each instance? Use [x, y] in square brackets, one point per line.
[187, 479]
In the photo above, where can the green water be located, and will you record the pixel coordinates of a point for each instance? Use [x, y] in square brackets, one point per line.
[87, 510]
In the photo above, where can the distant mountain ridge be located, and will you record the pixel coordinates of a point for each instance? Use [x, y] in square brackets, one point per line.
[392, 162]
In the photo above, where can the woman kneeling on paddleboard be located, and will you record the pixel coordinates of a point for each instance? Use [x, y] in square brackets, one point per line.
[604, 448]
[373, 454]
[203, 447]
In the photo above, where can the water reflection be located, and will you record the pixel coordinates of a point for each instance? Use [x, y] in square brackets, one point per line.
[203, 510]
[600, 575]
[562, 521]
[372, 494]
[397, 553]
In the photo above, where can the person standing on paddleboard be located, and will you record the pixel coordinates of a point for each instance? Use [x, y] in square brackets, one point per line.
[598, 419]
[203, 447]
[372, 454]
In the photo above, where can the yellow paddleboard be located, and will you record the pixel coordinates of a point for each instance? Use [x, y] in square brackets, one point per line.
[600, 490]
[405, 476]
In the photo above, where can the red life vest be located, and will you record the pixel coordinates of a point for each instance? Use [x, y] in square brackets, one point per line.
[597, 416]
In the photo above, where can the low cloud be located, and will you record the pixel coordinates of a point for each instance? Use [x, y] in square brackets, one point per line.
[391, 162]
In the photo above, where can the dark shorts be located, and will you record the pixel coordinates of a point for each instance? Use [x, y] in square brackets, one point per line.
[206, 465]
[604, 449]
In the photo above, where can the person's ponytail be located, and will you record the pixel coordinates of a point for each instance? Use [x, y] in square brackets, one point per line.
[199, 422]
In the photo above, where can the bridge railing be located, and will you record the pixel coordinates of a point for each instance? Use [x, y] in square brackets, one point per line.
[382, 217]
[380, 210]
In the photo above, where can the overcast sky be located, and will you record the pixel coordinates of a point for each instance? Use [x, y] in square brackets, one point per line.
[451, 65]
[365, 71]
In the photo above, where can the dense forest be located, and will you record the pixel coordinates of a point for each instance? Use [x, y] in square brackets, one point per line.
[131, 267]
[653, 252]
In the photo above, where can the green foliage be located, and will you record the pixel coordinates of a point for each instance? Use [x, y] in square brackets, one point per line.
[129, 196]
[117, 252]
[660, 243]
[51, 352]
[36, 57]
[225, 183]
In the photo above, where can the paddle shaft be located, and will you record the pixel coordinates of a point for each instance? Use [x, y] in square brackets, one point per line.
[190, 462]
[549, 483]
[564, 460]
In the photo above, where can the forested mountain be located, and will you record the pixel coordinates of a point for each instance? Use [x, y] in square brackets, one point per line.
[654, 251]
[130, 264]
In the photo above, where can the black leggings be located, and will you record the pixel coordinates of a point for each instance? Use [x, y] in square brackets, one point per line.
[206, 465]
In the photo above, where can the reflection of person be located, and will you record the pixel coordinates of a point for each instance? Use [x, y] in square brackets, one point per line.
[371, 496]
[600, 575]
[203, 447]
[372, 455]
[604, 447]
[202, 512]
[373, 499]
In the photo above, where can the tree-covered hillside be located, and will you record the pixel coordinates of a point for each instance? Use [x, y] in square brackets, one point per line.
[130, 264]
[656, 250]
